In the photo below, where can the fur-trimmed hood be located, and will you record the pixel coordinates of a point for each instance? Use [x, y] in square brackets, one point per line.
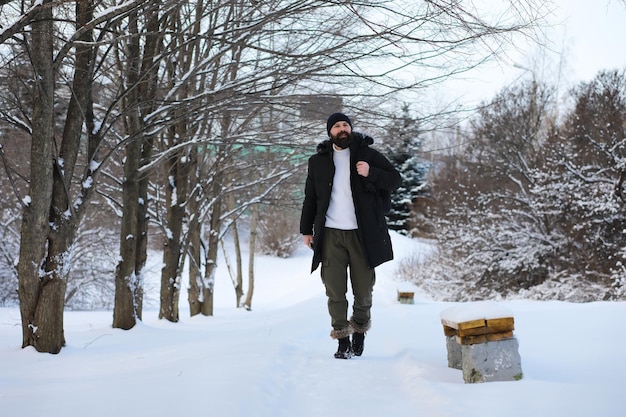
[358, 140]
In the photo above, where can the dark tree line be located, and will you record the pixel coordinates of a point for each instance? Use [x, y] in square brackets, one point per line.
[403, 147]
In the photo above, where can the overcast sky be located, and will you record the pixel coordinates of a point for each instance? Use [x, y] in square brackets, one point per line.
[584, 37]
[594, 32]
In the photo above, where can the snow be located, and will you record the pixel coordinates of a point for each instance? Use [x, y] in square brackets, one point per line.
[475, 311]
[88, 182]
[276, 360]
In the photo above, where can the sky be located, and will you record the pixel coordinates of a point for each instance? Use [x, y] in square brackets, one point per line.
[594, 33]
[581, 38]
[277, 360]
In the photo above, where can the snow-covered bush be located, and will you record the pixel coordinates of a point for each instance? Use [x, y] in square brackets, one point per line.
[532, 209]
[91, 282]
[9, 250]
[279, 233]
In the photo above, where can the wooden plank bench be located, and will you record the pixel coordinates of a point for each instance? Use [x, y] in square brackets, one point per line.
[480, 342]
[406, 297]
[480, 330]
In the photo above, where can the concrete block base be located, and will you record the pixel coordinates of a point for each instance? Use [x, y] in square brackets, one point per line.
[491, 361]
[455, 356]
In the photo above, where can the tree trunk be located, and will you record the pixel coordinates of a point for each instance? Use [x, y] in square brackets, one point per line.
[254, 226]
[194, 251]
[175, 201]
[238, 280]
[141, 236]
[125, 311]
[133, 241]
[238, 263]
[64, 218]
[41, 325]
[142, 77]
[212, 251]
[195, 259]
[147, 93]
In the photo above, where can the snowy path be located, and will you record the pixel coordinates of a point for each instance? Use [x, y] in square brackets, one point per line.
[276, 361]
[279, 363]
[302, 378]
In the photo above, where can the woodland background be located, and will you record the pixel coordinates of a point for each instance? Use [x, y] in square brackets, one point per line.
[129, 128]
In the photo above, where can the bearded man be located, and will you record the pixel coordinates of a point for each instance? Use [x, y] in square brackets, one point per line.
[343, 221]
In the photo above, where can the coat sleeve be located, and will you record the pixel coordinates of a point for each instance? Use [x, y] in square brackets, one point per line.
[383, 175]
[309, 206]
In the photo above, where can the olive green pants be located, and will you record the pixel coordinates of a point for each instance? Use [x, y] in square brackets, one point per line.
[342, 250]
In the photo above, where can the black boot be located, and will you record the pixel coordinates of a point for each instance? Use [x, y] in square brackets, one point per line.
[345, 349]
[358, 337]
[358, 341]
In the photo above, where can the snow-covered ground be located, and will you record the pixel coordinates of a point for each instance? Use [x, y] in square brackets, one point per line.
[276, 360]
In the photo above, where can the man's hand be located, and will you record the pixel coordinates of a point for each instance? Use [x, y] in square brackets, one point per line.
[308, 241]
[363, 168]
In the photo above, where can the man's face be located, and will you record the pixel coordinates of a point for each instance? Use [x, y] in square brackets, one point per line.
[341, 134]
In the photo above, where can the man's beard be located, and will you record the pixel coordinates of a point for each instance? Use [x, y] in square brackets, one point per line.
[342, 140]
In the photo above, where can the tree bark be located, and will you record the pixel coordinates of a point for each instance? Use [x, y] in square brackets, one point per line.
[141, 79]
[175, 202]
[238, 279]
[64, 218]
[212, 250]
[125, 311]
[195, 259]
[40, 328]
[254, 227]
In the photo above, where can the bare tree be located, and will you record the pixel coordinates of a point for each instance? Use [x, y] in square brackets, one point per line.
[202, 115]
[42, 325]
[262, 56]
[491, 232]
[138, 62]
[56, 179]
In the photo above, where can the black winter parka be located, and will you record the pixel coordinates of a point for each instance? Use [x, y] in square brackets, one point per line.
[366, 193]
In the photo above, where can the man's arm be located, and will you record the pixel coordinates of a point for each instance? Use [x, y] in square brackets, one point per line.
[381, 172]
[309, 206]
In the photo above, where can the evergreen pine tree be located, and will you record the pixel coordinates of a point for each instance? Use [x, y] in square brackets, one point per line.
[403, 147]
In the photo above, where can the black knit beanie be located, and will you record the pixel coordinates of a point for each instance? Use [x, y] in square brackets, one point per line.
[334, 118]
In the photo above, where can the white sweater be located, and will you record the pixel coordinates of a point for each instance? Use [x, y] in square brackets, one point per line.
[340, 213]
